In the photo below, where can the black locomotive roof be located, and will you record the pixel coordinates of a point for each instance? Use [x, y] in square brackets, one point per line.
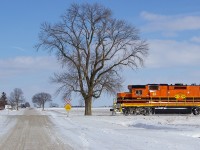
[162, 84]
[137, 86]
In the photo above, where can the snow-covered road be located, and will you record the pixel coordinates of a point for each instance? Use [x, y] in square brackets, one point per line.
[29, 131]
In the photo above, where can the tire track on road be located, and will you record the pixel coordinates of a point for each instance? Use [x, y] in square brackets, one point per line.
[32, 132]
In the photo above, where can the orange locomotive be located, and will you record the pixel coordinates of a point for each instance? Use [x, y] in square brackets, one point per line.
[144, 99]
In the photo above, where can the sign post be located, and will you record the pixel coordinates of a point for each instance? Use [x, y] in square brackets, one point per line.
[68, 106]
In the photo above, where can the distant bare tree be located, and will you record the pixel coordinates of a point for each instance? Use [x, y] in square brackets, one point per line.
[41, 98]
[93, 48]
[27, 104]
[16, 97]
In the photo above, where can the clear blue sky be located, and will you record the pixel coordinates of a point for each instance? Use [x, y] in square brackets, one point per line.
[171, 27]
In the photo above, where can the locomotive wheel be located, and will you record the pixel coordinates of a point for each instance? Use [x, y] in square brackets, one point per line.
[147, 111]
[196, 111]
[151, 111]
[126, 111]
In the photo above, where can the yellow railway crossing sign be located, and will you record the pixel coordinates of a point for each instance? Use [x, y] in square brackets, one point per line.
[68, 107]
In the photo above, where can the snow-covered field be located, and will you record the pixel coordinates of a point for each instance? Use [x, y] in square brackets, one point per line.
[102, 131]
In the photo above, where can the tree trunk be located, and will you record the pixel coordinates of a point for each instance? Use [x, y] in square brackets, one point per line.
[17, 106]
[42, 106]
[88, 106]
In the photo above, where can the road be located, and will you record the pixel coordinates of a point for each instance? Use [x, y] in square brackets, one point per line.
[32, 132]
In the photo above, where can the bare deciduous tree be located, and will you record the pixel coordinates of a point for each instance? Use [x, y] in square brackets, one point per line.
[16, 97]
[93, 48]
[27, 104]
[41, 98]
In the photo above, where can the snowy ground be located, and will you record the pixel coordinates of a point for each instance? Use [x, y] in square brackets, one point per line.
[5, 123]
[103, 131]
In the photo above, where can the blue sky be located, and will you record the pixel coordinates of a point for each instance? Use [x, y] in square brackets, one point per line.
[172, 29]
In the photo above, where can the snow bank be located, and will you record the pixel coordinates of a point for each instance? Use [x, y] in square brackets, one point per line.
[8, 120]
